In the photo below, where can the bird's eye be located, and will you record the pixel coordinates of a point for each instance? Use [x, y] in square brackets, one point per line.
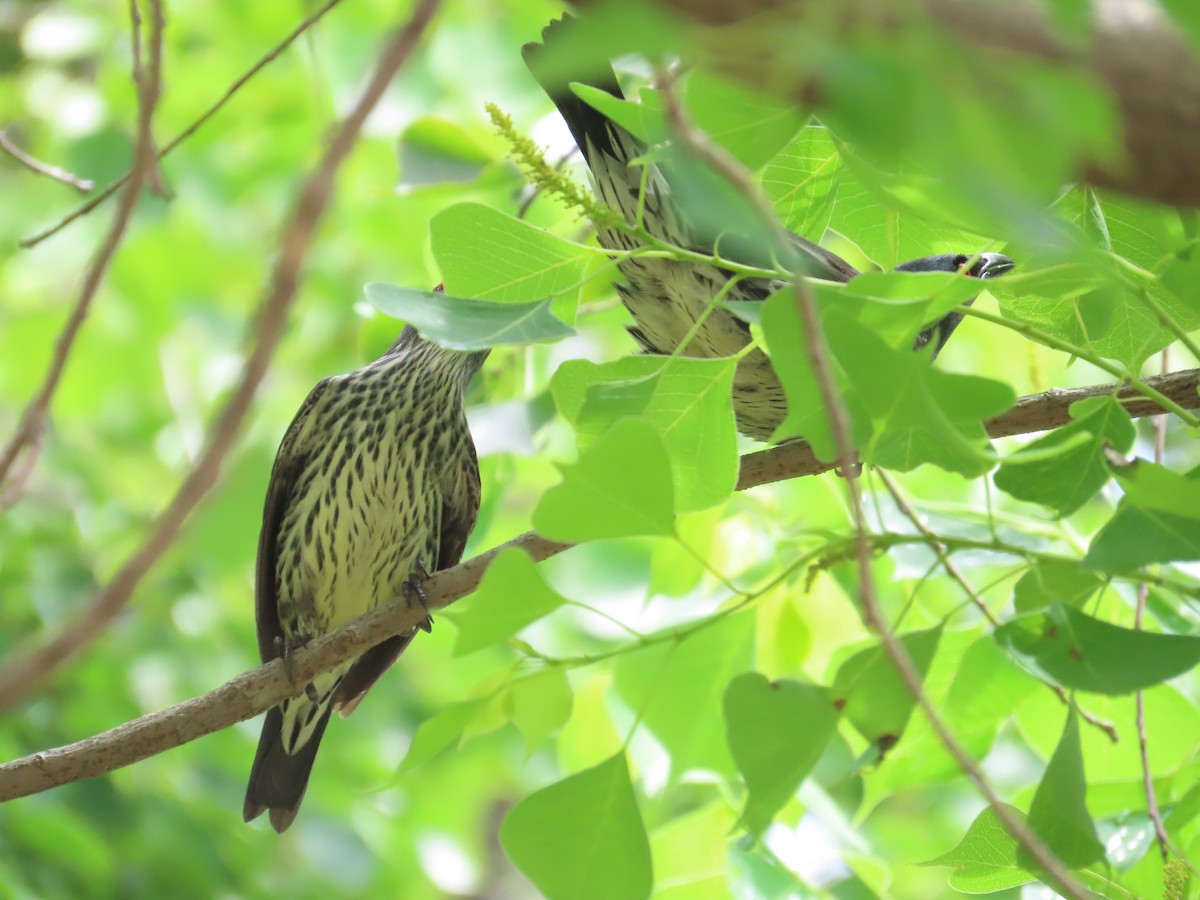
[959, 262]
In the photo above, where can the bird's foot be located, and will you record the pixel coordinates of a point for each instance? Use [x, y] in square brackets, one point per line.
[415, 587]
[287, 648]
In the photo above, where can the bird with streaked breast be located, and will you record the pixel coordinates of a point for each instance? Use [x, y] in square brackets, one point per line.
[667, 297]
[375, 484]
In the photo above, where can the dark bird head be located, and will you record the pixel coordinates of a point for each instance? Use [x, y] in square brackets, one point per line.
[984, 265]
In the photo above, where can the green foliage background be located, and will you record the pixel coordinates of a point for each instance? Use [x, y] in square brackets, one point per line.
[588, 754]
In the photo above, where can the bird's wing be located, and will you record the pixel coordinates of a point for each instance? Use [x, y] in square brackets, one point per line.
[817, 262]
[289, 462]
[460, 506]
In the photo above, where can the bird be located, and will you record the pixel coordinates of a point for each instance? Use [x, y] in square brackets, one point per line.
[375, 485]
[667, 297]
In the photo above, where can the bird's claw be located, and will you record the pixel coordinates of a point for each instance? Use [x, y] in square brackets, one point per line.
[415, 586]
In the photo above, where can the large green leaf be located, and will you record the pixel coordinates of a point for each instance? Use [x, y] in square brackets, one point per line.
[872, 695]
[511, 595]
[1066, 480]
[620, 486]
[677, 687]
[985, 860]
[686, 400]
[462, 324]
[1058, 814]
[582, 837]
[776, 731]
[488, 255]
[1079, 652]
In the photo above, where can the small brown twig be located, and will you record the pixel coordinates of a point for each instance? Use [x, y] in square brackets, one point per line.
[1143, 593]
[21, 675]
[32, 419]
[952, 569]
[82, 185]
[237, 85]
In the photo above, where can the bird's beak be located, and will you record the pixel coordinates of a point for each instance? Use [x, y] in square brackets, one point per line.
[993, 265]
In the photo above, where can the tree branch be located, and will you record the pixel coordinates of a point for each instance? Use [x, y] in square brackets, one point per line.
[1032, 413]
[149, 86]
[1150, 70]
[256, 691]
[21, 675]
[40, 168]
[85, 208]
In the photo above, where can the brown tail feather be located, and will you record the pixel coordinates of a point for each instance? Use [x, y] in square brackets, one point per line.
[277, 780]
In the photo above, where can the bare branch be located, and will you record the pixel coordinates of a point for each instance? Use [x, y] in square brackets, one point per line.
[237, 85]
[40, 168]
[34, 416]
[20, 676]
[1032, 413]
[253, 692]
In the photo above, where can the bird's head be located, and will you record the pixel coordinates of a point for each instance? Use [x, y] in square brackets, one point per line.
[983, 265]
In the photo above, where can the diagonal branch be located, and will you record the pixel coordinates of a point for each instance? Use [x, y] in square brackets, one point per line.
[256, 691]
[21, 675]
[149, 85]
[40, 168]
[85, 208]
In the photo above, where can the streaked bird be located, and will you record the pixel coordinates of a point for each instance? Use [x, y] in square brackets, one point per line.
[375, 484]
[666, 297]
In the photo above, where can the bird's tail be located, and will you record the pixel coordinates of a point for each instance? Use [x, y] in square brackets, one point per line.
[288, 746]
[607, 147]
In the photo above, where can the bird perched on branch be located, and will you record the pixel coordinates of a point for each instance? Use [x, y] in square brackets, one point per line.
[666, 297]
[375, 485]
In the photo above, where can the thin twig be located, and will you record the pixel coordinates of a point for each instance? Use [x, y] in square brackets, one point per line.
[82, 185]
[19, 676]
[34, 416]
[817, 351]
[237, 85]
[1143, 593]
[952, 569]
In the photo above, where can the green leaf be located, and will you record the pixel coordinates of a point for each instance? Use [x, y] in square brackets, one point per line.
[1136, 537]
[872, 696]
[620, 486]
[438, 732]
[985, 860]
[677, 686]
[1155, 488]
[1058, 814]
[686, 400]
[776, 731]
[511, 595]
[462, 324]
[582, 837]
[902, 411]
[801, 181]
[1050, 581]
[1079, 652]
[750, 124]
[488, 255]
[539, 705]
[1067, 480]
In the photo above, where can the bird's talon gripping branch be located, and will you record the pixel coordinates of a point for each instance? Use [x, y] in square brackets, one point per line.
[415, 587]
